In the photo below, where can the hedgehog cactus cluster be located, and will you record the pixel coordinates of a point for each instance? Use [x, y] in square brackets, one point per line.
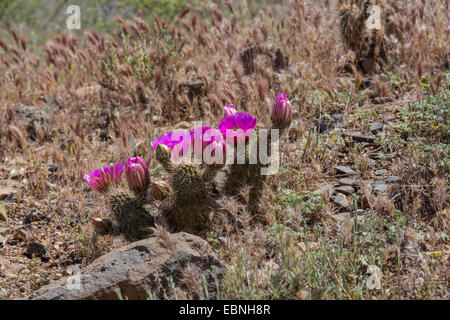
[247, 173]
[188, 194]
[131, 219]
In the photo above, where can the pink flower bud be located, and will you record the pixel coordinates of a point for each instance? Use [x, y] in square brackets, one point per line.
[138, 177]
[282, 112]
[229, 110]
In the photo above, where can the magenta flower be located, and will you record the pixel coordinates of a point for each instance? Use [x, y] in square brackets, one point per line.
[172, 139]
[138, 177]
[210, 138]
[238, 125]
[282, 112]
[205, 134]
[101, 180]
[229, 110]
[169, 139]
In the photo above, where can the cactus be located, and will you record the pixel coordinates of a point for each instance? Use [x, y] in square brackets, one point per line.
[187, 195]
[250, 174]
[133, 221]
[240, 175]
[189, 201]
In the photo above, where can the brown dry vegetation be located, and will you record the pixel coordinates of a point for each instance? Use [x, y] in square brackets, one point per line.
[97, 90]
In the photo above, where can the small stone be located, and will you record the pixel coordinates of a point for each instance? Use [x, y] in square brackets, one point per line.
[392, 179]
[34, 215]
[3, 215]
[380, 187]
[348, 182]
[376, 127]
[326, 191]
[20, 235]
[58, 276]
[345, 170]
[36, 249]
[25, 271]
[12, 242]
[381, 172]
[345, 190]
[6, 192]
[3, 230]
[15, 268]
[357, 137]
[341, 200]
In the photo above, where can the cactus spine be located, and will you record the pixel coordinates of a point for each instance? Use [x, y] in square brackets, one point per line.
[133, 221]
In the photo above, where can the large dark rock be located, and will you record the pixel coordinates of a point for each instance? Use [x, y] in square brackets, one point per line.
[31, 119]
[137, 268]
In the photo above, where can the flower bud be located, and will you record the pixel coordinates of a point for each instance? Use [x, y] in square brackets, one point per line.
[281, 112]
[160, 190]
[163, 152]
[138, 177]
[229, 110]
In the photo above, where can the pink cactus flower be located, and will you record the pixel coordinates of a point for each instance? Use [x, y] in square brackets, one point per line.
[101, 180]
[236, 126]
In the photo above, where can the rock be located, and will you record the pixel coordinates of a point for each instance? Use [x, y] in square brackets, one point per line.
[14, 268]
[20, 235]
[381, 172]
[348, 182]
[3, 230]
[345, 170]
[357, 137]
[36, 249]
[247, 57]
[25, 271]
[34, 215]
[3, 215]
[341, 200]
[380, 188]
[325, 191]
[345, 190]
[32, 119]
[12, 242]
[376, 127]
[368, 65]
[52, 103]
[392, 179]
[71, 270]
[7, 192]
[136, 268]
